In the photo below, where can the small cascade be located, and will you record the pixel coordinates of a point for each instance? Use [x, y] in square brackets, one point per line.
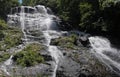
[22, 21]
[55, 53]
[110, 56]
[38, 18]
[7, 63]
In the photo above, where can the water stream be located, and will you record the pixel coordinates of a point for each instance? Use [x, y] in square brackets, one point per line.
[41, 18]
[103, 50]
[38, 18]
[22, 23]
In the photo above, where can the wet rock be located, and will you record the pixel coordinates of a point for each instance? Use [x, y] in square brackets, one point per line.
[36, 71]
[82, 63]
[74, 38]
[68, 68]
[54, 42]
[82, 39]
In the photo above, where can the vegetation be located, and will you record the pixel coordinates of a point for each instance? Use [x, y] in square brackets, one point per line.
[93, 16]
[9, 37]
[68, 42]
[4, 56]
[5, 7]
[29, 56]
[85, 15]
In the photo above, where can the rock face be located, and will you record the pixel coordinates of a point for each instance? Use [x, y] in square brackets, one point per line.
[79, 61]
[82, 38]
[74, 37]
[82, 63]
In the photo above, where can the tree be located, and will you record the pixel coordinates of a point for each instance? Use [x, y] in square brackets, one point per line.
[5, 6]
[29, 2]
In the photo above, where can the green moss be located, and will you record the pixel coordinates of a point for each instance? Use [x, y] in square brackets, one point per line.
[3, 25]
[4, 56]
[29, 56]
[1, 35]
[68, 42]
[34, 47]
[9, 37]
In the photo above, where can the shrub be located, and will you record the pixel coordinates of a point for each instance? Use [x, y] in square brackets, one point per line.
[3, 25]
[29, 56]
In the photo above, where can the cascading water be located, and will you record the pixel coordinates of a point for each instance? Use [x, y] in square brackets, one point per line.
[7, 63]
[55, 53]
[101, 47]
[22, 21]
[37, 18]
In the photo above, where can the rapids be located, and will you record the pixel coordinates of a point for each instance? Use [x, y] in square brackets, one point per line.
[103, 50]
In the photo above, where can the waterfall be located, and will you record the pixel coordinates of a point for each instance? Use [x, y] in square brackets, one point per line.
[38, 18]
[22, 21]
[7, 63]
[110, 56]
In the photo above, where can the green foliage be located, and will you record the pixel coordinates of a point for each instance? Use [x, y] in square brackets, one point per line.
[68, 42]
[85, 7]
[34, 47]
[29, 2]
[69, 11]
[29, 56]
[106, 3]
[3, 25]
[64, 16]
[9, 37]
[4, 56]
[1, 35]
[110, 13]
[5, 6]
[87, 16]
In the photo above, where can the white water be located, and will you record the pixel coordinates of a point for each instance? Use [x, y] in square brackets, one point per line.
[55, 53]
[7, 63]
[50, 34]
[101, 47]
[22, 21]
[39, 19]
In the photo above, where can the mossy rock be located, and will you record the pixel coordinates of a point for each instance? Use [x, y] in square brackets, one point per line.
[10, 39]
[36, 33]
[65, 41]
[29, 56]
[9, 36]
[4, 57]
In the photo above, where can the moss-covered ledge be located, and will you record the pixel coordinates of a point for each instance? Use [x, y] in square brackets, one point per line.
[29, 56]
[4, 56]
[9, 37]
[69, 42]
